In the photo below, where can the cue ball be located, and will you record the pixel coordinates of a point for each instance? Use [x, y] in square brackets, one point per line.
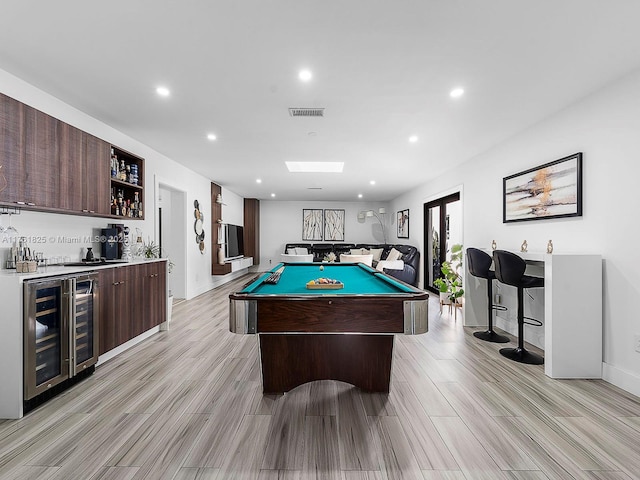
[321, 267]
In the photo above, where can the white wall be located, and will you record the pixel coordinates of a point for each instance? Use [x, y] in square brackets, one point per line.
[232, 207]
[604, 126]
[281, 223]
[158, 169]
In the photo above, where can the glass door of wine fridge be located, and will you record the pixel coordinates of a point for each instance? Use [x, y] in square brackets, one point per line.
[46, 340]
[83, 337]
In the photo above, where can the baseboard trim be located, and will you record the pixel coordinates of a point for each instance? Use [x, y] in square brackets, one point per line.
[105, 357]
[621, 378]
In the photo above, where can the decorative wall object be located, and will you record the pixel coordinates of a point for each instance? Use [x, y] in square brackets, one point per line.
[552, 190]
[334, 225]
[403, 223]
[198, 226]
[311, 224]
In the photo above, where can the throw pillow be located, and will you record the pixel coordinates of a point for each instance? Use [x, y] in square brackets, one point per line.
[377, 253]
[356, 251]
[394, 255]
[291, 251]
[302, 251]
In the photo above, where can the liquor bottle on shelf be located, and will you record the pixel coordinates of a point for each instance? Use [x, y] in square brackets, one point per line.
[114, 164]
[120, 202]
[133, 178]
[113, 201]
[136, 204]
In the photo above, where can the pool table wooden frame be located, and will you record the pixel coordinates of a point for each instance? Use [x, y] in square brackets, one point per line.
[327, 335]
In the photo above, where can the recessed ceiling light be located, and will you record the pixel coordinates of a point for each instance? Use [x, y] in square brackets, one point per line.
[258, 180]
[315, 167]
[273, 194]
[413, 138]
[359, 195]
[211, 136]
[457, 92]
[372, 182]
[305, 75]
[163, 91]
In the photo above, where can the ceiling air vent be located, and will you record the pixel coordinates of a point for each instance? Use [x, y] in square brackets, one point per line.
[306, 112]
[314, 188]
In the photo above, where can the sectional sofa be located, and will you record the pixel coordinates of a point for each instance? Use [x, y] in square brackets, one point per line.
[406, 270]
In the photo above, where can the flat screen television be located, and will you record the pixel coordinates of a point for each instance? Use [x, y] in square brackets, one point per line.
[234, 246]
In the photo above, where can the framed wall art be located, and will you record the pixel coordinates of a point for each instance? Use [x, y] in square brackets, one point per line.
[312, 224]
[403, 223]
[552, 190]
[334, 225]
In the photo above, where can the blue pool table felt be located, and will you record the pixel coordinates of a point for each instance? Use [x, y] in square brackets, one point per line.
[358, 279]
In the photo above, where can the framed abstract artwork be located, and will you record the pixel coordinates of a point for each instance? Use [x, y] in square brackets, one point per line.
[552, 190]
[403, 223]
[312, 224]
[334, 225]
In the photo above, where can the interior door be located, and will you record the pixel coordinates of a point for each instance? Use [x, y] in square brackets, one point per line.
[442, 221]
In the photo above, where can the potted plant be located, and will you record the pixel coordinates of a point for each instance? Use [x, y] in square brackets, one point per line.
[450, 284]
[150, 250]
[330, 257]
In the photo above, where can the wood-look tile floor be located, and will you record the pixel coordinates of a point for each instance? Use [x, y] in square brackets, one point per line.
[187, 404]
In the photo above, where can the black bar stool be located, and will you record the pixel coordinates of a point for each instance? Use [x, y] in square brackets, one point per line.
[479, 264]
[510, 270]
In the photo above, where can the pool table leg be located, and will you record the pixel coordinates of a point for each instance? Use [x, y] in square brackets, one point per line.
[293, 359]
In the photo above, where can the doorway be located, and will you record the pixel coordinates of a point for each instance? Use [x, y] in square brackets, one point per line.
[443, 228]
[171, 221]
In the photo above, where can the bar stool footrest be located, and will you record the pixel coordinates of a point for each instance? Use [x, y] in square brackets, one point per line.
[532, 321]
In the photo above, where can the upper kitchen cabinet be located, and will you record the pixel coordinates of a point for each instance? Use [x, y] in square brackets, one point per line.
[30, 166]
[95, 188]
[70, 168]
[29, 142]
[41, 173]
[83, 164]
[12, 150]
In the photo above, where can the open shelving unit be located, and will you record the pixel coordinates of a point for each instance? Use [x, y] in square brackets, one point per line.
[126, 189]
[217, 268]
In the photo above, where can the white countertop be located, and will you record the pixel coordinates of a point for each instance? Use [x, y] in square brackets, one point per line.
[54, 270]
[538, 256]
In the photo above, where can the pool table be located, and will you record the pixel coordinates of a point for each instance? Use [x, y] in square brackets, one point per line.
[341, 334]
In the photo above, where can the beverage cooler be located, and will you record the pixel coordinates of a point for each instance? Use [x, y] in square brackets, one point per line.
[60, 332]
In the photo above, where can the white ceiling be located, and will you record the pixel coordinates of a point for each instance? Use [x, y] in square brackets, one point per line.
[382, 69]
